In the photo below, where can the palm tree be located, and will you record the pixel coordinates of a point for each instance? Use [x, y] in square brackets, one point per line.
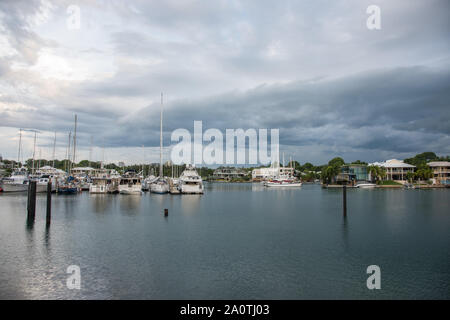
[377, 173]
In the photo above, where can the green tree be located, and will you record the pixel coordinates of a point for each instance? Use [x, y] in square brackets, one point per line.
[422, 158]
[336, 162]
[410, 176]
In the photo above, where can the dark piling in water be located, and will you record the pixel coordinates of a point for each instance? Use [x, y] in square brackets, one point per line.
[31, 209]
[49, 204]
[166, 212]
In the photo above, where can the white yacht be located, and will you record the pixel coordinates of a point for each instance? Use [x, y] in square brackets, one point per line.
[130, 183]
[99, 181]
[190, 181]
[17, 182]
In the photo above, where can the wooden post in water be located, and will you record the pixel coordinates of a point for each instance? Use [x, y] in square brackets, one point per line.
[31, 201]
[166, 212]
[49, 204]
[344, 199]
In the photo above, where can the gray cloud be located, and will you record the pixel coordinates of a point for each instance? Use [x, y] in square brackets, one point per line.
[311, 69]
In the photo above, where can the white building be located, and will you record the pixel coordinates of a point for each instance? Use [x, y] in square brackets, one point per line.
[271, 173]
[441, 171]
[50, 171]
[82, 171]
[396, 170]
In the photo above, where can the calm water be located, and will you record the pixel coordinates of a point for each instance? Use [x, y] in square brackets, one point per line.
[238, 241]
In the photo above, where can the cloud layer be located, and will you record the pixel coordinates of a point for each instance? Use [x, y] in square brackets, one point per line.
[311, 69]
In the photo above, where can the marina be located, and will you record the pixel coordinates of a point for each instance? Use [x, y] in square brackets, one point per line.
[224, 158]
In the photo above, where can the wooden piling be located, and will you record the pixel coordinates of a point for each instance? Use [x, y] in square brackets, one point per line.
[31, 201]
[166, 212]
[49, 204]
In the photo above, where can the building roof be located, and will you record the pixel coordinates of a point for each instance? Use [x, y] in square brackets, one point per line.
[439, 164]
[393, 163]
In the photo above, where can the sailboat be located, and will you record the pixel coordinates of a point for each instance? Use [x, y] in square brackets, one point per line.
[283, 180]
[18, 181]
[70, 185]
[160, 185]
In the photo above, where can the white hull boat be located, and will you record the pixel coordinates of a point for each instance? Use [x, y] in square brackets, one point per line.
[283, 184]
[18, 182]
[366, 185]
[98, 186]
[190, 182]
[130, 184]
[160, 186]
[15, 187]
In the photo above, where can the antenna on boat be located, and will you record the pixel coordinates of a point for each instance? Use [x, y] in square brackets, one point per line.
[161, 140]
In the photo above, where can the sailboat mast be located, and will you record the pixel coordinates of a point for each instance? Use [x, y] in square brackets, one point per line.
[75, 141]
[90, 153]
[68, 153]
[161, 140]
[34, 152]
[20, 145]
[54, 149]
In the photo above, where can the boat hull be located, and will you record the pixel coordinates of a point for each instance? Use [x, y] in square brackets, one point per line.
[98, 189]
[73, 190]
[366, 186]
[283, 185]
[191, 189]
[134, 189]
[14, 187]
[159, 188]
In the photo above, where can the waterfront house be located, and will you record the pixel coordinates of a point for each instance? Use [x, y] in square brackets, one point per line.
[82, 171]
[355, 172]
[441, 172]
[396, 170]
[271, 173]
[228, 173]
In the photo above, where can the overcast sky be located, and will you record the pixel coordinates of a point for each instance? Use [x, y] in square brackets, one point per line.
[310, 68]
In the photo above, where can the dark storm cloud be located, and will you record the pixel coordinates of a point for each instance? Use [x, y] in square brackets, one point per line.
[310, 68]
[400, 109]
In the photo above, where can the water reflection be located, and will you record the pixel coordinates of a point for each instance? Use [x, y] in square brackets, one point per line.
[130, 203]
[47, 241]
[345, 232]
[100, 202]
[190, 203]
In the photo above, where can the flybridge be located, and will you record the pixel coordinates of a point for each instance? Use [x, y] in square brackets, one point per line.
[213, 151]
